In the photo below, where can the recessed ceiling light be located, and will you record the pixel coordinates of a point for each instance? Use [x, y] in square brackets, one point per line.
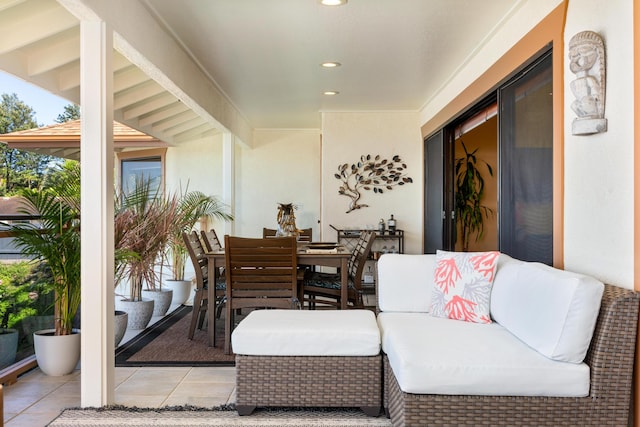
[332, 2]
[330, 92]
[330, 64]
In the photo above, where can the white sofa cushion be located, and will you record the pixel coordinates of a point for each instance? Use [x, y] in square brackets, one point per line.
[463, 282]
[405, 282]
[431, 355]
[307, 333]
[554, 311]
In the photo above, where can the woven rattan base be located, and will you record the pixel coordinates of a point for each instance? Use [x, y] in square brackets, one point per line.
[610, 359]
[309, 381]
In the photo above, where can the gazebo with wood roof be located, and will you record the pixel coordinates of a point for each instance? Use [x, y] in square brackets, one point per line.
[63, 140]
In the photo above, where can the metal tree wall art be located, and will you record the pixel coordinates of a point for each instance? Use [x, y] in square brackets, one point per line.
[370, 173]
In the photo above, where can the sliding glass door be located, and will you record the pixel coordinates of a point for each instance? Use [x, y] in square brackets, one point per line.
[526, 164]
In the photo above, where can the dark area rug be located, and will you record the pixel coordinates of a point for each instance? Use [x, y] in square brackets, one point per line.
[165, 343]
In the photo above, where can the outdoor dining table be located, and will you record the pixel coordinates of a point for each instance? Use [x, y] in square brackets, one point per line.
[339, 259]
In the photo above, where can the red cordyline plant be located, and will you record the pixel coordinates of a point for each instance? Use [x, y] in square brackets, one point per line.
[143, 224]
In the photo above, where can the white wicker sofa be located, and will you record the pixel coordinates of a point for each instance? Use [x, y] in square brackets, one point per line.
[539, 361]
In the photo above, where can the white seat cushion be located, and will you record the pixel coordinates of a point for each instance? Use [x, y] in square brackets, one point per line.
[431, 355]
[554, 311]
[307, 333]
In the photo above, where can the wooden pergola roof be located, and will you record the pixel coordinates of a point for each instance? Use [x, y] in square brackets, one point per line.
[63, 140]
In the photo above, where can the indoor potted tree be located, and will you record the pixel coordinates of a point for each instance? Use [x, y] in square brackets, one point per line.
[142, 225]
[468, 200]
[192, 206]
[55, 240]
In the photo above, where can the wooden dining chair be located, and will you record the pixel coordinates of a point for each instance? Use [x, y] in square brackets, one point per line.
[201, 298]
[327, 286]
[211, 241]
[261, 273]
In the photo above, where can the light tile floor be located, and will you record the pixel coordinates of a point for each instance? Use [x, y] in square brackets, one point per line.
[36, 399]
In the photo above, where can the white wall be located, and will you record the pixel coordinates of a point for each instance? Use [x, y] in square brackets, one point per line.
[526, 14]
[599, 172]
[347, 136]
[196, 163]
[283, 166]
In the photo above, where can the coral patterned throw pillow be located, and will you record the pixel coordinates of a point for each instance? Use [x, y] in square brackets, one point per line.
[463, 282]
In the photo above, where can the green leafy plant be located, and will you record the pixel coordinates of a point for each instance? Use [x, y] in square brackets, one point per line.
[470, 211]
[192, 205]
[55, 240]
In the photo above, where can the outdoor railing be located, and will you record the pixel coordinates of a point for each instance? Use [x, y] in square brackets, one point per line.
[26, 303]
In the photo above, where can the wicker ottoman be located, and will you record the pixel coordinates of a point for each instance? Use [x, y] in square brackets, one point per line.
[308, 358]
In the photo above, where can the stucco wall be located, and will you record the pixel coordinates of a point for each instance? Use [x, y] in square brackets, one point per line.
[282, 167]
[599, 168]
[347, 136]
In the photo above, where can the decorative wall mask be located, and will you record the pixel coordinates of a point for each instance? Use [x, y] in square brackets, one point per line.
[370, 174]
[587, 62]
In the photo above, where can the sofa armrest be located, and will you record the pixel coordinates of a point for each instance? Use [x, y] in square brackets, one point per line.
[612, 350]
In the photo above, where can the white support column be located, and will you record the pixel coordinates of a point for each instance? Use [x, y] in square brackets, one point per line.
[228, 177]
[96, 158]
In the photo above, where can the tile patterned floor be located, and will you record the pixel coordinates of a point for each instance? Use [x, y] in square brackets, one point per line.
[36, 399]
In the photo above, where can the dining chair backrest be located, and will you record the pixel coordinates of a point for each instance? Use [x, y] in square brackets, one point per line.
[359, 257]
[268, 232]
[306, 234]
[261, 272]
[197, 254]
[211, 241]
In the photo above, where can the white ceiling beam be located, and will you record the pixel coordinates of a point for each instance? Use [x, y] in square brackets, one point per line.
[185, 126]
[148, 106]
[69, 78]
[53, 55]
[128, 78]
[176, 108]
[6, 4]
[174, 121]
[136, 94]
[29, 22]
[200, 132]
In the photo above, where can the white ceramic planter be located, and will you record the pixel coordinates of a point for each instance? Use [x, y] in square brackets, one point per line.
[8, 347]
[139, 312]
[120, 326]
[181, 290]
[162, 300]
[56, 355]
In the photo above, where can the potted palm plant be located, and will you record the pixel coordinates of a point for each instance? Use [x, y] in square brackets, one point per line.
[469, 193]
[142, 225]
[55, 241]
[192, 206]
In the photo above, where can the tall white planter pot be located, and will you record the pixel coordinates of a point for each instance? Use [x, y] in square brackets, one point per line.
[180, 288]
[139, 312]
[56, 355]
[120, 325]
[162, 300]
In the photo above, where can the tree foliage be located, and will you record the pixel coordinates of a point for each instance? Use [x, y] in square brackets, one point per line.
[71, 112]
[19, 169]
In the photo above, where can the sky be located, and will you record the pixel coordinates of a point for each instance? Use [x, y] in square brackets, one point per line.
[46, 106]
